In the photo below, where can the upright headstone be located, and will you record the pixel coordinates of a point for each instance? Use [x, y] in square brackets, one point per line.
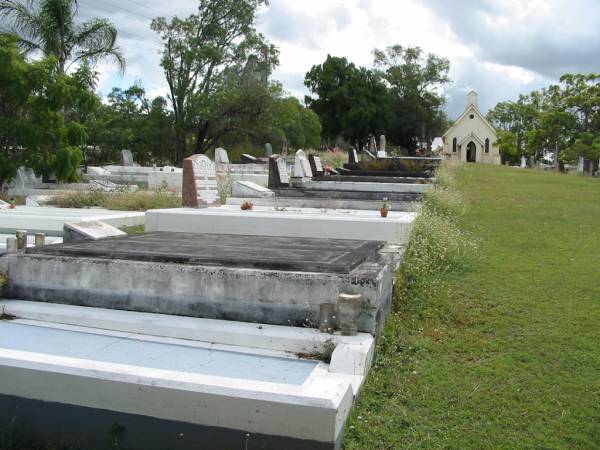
[284, 150]
[200, 187]
[278, 174]
[352, 156]
[523, 162]
[302, 166]
[126, 158]
[381, 153]
[581, 164]
[316, 166]
[268, 150]
[221, 156]
[372, 145]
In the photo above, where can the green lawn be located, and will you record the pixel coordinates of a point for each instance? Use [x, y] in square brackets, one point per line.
[509, 355]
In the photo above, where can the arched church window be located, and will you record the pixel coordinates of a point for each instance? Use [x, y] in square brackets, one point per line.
[487, 145]
[454, 143]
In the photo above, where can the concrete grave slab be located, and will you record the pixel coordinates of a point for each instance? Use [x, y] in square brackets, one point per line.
[51, 220]
[61, 375]
[275, 280]
[293, 222]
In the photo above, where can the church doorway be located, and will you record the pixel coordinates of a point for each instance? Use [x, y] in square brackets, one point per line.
[471, 152]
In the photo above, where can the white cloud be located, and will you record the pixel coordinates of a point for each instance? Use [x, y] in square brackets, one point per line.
[499, 47]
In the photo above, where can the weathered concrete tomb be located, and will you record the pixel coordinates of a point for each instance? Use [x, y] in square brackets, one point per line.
[272, 280]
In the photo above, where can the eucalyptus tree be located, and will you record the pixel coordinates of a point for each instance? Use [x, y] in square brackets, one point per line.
[51, 28]
[216, 66]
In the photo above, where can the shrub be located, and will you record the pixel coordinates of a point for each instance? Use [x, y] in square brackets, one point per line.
[120, 201]
[438, 244]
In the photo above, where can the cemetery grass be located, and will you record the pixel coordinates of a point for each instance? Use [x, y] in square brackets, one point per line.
[505, 354]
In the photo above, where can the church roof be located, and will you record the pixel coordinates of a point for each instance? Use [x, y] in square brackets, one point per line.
[474, 110]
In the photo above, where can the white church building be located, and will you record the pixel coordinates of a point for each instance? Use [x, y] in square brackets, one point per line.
[472, 138]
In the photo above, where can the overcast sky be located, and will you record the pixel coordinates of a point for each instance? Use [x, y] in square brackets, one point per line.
[500, 48]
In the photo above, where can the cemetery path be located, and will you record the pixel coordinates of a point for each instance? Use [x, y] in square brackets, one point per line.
[507, 356]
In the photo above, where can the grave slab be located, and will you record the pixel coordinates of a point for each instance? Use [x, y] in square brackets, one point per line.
[293, 222]
[51, 220]
[58, 374]
[276, 280]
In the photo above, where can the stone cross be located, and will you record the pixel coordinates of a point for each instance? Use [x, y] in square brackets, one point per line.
[316, 166]
[278, 175]
[268, 150]
[126, 158]
[200, 187]
[221, 156]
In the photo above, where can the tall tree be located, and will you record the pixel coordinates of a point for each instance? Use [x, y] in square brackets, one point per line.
[209, 59]
[35, 102]
[416, 81]
[351, 101]
[51, 28]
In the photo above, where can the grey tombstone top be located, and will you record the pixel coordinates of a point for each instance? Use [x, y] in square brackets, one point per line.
[126, 158]
[302, 166]
[89, 231]
[246, 158]
[278, 174]
[316, 165]
[221, 156]
[268, 150]
[308, 173]
[352, 156]
[284, 177]
[372, 145]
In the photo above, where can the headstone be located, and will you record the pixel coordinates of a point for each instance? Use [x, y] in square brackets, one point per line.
[268, 150]
[249, 159]
[523, 162]
[126, 158]
[372, 145]
[89, 231]
[581, 164]
[221, 156]
[302, 166]
[103, 185]
[381, 153]
[284, 150]
[248, 189]
[352, 156]
[278, 174]
[368, 156]
[316, 166]
[4, 205]
[200, 187]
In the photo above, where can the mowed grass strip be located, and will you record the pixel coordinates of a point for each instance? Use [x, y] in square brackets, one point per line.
[507, 354]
